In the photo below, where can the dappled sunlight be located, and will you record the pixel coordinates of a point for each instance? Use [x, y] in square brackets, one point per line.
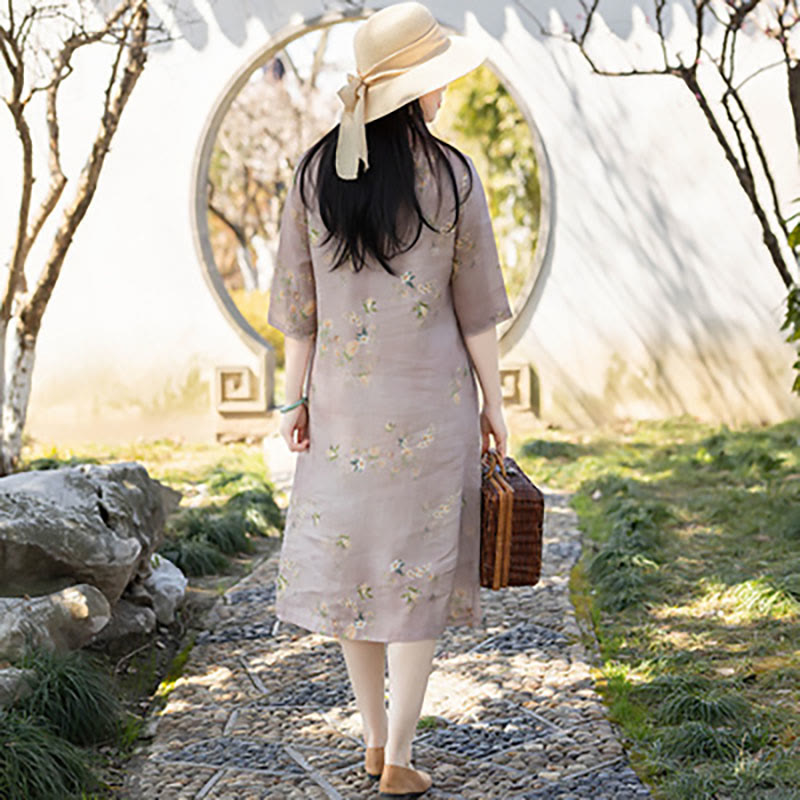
[690, 580]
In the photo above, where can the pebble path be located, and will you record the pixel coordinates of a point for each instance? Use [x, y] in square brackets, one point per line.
[264, 709]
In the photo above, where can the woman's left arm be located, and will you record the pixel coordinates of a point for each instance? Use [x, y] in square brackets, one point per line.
[293, 310]
[294, 423]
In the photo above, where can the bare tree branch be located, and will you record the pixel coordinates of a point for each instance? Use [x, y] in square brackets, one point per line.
[732, 103]
[134, 61]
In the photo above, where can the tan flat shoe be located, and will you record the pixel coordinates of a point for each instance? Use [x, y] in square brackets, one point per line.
[373, 762]
[402, 782]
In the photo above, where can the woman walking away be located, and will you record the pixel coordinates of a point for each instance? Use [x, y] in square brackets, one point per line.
[388, 288]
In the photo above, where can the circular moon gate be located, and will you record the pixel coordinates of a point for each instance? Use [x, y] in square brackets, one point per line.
[199, 211]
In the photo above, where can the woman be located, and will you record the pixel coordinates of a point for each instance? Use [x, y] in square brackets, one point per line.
[388, 288]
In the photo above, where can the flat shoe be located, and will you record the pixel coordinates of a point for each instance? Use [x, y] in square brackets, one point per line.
[373, 762]
[403, 782]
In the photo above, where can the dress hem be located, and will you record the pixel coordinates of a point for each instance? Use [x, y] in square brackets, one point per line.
[304, 621]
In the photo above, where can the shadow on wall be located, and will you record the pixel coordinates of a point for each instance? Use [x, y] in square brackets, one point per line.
[727, 368]
[649, 393]
[232, 19]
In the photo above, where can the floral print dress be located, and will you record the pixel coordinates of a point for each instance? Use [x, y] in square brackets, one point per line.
[382, 532]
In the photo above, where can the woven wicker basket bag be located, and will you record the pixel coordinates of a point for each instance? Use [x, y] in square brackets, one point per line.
[512, 516]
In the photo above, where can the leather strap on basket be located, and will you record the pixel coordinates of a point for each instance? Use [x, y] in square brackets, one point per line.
[498, 479]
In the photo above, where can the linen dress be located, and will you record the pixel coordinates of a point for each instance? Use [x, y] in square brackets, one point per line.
[381, 538]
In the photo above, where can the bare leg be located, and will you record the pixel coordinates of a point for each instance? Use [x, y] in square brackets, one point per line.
[409, 667]
[366, 664]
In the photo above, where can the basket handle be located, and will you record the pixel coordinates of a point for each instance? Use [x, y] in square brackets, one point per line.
[492, 461]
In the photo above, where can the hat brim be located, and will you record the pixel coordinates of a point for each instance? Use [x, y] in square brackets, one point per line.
[461, 56]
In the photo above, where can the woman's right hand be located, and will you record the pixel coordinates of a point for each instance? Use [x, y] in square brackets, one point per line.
[492, 422]
[294, 428]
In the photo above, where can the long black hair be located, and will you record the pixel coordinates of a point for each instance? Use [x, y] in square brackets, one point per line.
[373, 215]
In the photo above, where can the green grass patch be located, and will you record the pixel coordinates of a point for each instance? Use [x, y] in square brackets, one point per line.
[73, 694]
[690, 581]
[199, 539]
[36, 764]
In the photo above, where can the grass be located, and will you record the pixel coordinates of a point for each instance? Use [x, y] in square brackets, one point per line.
[690, 580]
[36, 764]
[73, 694]
[45, 736]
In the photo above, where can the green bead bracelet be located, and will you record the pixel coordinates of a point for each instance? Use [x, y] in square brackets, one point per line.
[284, 409]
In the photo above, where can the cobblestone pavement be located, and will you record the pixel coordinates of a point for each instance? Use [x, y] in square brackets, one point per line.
[264, 710]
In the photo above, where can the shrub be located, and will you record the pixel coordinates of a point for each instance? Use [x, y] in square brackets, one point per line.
[73, 695]
[262, 513]
[194, 557]
[35, 764]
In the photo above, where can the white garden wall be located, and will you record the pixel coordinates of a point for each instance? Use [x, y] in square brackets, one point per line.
[655, 296]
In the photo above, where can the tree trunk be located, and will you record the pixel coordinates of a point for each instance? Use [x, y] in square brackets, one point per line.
[18, 355]
[793, 75]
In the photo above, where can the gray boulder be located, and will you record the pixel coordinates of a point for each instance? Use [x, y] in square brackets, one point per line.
[90, 523]
[129, 621]
[166, 584]
[64, 620]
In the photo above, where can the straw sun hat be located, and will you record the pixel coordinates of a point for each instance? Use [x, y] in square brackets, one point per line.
[401, 54]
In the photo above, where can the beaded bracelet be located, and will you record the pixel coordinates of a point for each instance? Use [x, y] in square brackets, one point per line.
[284, 409]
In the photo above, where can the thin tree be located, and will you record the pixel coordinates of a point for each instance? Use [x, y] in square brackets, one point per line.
[730, 120]
[38, 46]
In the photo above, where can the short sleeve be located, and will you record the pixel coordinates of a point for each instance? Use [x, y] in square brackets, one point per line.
[479, 292]
[292, 297]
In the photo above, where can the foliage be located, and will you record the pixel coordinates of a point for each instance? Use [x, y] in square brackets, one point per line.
[697, 670]
[625, 567]
[693, 739]
[199, 539]
[224, 531]
[262, 514]
[548, 449]
[49, 462]
[254, 305]
[35, 764]
[480, 117]
[73, 694]
[194, 557]
[791, 322]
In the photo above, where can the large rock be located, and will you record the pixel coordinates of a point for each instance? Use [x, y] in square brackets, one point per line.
[167, 586]
[91, 523]
[129, 623]
[64, 620]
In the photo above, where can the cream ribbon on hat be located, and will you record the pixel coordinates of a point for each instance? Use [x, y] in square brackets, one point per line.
[351, 145]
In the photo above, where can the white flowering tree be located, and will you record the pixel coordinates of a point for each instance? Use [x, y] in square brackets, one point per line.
[278, 114]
